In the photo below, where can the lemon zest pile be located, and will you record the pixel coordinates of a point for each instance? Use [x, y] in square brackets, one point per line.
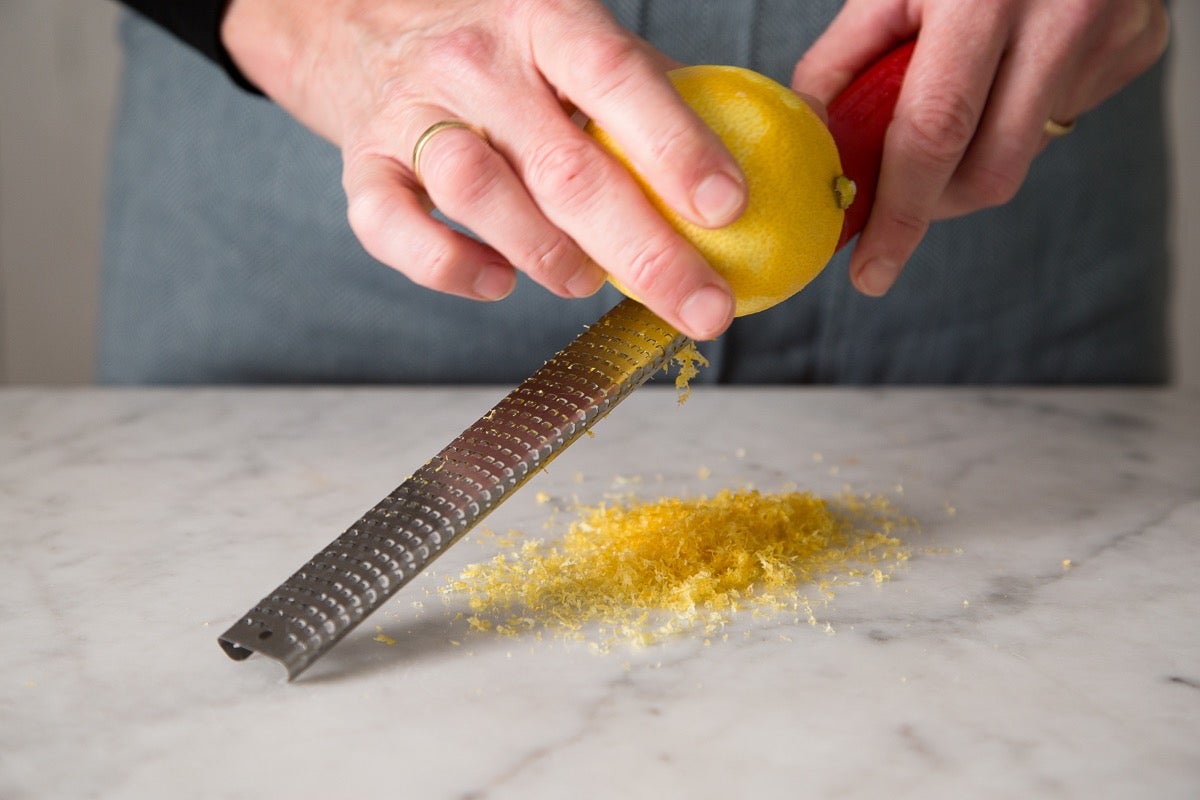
[639, 572]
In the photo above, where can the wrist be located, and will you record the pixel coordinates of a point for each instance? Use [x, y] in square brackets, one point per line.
[272, 42]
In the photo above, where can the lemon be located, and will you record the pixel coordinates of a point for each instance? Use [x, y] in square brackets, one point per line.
[794, 179]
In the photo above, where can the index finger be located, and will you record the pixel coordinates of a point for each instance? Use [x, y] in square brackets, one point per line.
[856, 37]
[939, 108]
[612, 78]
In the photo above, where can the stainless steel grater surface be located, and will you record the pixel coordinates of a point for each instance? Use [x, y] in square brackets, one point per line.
[326, 598]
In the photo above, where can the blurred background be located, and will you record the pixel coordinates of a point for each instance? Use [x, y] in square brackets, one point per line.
[59, 63]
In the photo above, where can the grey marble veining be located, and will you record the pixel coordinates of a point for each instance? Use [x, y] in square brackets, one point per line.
[1042, 641]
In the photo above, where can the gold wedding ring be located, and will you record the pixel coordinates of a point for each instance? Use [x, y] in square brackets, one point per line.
[1054, 129]
[432, 131]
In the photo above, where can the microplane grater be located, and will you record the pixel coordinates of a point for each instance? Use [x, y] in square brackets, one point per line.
[394, 541]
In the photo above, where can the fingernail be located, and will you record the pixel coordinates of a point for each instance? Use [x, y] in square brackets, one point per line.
[877, 276]
[586, 281]
[718, 198]
[706, 312]
[494, 282]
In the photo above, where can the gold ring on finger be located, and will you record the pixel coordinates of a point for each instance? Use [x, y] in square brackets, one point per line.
[432, 131]
[1054, 129]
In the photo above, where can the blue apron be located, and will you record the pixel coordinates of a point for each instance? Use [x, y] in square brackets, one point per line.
[228, 258]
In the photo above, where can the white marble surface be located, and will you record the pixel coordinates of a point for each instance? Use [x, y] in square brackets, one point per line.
[137, 525]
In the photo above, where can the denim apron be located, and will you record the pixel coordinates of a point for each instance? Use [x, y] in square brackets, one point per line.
[228, 257]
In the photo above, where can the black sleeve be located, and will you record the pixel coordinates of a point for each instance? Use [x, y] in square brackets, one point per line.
[197, 23]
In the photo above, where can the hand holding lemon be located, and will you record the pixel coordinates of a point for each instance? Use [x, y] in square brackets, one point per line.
[795, 217]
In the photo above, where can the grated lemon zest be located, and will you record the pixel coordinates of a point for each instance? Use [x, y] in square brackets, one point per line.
[637, 572]
[689, 360]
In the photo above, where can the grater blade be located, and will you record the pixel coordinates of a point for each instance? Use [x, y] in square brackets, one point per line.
[394, 541]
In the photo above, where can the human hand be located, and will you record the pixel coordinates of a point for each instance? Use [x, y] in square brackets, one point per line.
[542, 195]
[972, 114]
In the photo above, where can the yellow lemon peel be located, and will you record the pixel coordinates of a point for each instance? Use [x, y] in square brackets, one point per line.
[796, 190]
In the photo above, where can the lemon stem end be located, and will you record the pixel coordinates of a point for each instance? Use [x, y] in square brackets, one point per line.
[844, 191]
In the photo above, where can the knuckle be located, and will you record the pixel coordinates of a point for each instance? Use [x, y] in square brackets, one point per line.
[435, 266]
[1160, 27]
[550, 258]
[1124, 27]
[1148, 33]
[1137, 33]
[649, 265]
[1081, 12]
[565, 172]
[909, 222]
[1075, 21]
[941, 126]
[609, 67]
[992, 186]
[368, 213]
[398, 99]
[468, 49]
[429, 261]
[674, 143]
[529, 11]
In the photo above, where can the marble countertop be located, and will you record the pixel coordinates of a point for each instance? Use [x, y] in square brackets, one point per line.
[1042, 641]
